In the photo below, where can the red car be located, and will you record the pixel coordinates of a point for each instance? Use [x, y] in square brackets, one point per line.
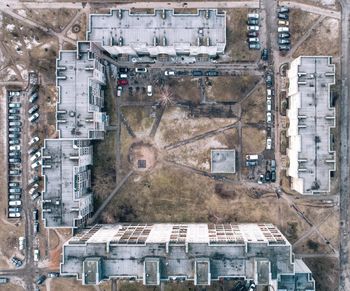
[122, 82]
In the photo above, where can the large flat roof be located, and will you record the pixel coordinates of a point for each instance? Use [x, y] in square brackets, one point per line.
[129, 245]
[162, 32]
[60, 160]
[311, 118]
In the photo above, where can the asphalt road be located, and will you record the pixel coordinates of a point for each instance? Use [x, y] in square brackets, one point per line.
[344, 280]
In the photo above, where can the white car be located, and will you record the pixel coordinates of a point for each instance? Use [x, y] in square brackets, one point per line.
[268, 105]
[33, 189]
[253, 28]
[119, 91]
[283, 22]
[253, 15]
[15, 203]
[253, 39]
[14, 214]
[34, 140]
[15, 148]
[268, 143]
[36, 255]
[169, 73]
[33, 117]
[35, 156]
[283, 29]
[268, 117]
[35, 165]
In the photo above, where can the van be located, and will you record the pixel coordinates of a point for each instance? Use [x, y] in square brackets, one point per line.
[15, 203]
[149, 90]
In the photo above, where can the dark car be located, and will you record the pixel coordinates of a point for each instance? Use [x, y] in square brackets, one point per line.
[283, 16]
[252, 21]
[268, 176]
[269, 80]
[41, 279]
[273, 176]
[265, 54]
[252, 34]
[212, 73]
[182, 73]
[197, 73]
[35, 214]
[123, 70]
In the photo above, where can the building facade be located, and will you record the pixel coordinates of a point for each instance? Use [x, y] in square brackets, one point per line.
[311, 118]
[201, 253]
[160, 33]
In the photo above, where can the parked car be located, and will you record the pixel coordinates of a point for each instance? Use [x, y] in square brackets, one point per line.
[33, 189]
[15, 148]
[35, 214]
[14, 129]
[268, 117]
[14, 214]
[253, 15]
[14, 117]
[14, 154]
[283, 22]
[123, 82]
[33, 180]
[16, 261]
[283, 41]
[283, 9]
[252, 34]
[35, 156]
[141, 70]
[265, 54]
[268, 105]
[284, 47]
[273, 176]
[269, 80]
[33, 97]
[35, 195]
[15, 172]
[35, 116]
[253, 21]
[268, 176]
[119, 91]
[253, 28]
[14, 135]
[13, 184]
[254, 45]
[253, 39]
[14, 196]
[283, 29]
[33, 109]
[14, 209]
[261, 179]
[35, 165]
[268, 143]
[34, 140]
[53, 274]
[273, 165]
[15, 190]
[149, 90]
[14, 105]
[197, 73]
[284, 35]
[15, 203]
[212, 73]
[169, 73]
[41, 279]
[4, 280]
[14, 160]
[36, 227]
[15, 123]
[123, 70]
[14, 141]
[33, 150]
[13, 111]
[284, 16]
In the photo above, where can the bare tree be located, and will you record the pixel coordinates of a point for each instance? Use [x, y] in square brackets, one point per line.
[166, 96]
